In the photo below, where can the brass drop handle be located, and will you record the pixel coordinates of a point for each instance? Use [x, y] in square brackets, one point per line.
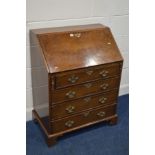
[87, 99]
[69, 123]
[86, 114]
[77, 35]
[88, 85]
[73, 79]
[104, 86]
[70, 109]
[104, 73]
[90, 72]
[101, 114]
[71, 94]
[102, 100]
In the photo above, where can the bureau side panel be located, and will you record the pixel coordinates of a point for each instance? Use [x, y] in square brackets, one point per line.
[39, 76]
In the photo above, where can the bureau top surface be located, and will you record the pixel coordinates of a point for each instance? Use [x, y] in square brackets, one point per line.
[75, 47]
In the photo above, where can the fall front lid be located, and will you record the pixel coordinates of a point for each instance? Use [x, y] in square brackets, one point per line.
[74, 47]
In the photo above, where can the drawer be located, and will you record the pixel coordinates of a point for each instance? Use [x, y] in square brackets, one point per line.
[87, 74]
[83, 118]
[69, 108]
[77, 91]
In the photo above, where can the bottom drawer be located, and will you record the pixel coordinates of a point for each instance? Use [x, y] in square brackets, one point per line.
[83, 118]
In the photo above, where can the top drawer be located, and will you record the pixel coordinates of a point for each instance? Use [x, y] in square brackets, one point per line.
[87, 74]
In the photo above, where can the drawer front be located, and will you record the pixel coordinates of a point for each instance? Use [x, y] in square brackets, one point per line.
[83, 118]
[74, 92]
[68, 108]
[88, 74]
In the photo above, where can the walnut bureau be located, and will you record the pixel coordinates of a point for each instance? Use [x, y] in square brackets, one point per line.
[84, 66]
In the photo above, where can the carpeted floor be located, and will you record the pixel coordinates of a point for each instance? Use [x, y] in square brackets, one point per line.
[100, 139]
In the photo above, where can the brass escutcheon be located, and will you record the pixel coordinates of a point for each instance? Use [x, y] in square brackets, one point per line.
[86, 114]
[90, 72]
[77, 35]
[104, 86]
[101, 114]
[88, 85]
[69, 123]
[71, 94]
[104, 73]
[87, 99]
[70, 109]
[102, 100]
[73, 79]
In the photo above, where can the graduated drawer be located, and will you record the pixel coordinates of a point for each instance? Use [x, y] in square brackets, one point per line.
[68, 108]
[77, 91]
[87, 74]
[83, 118]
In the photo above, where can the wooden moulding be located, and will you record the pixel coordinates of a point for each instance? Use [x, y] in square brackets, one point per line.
[112, 119]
